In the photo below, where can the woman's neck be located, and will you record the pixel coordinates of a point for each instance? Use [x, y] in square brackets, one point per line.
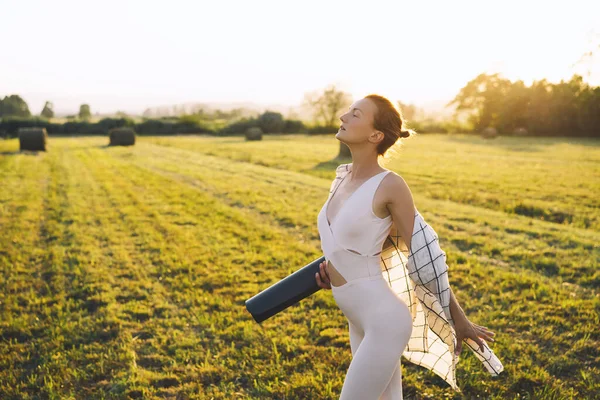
[364, 165]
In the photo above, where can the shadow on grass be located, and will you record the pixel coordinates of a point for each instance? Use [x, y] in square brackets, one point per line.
[106, 146]
[331, 165]
[23, 152]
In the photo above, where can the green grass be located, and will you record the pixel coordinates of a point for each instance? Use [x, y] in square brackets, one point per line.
[124, 271]
[545, 178]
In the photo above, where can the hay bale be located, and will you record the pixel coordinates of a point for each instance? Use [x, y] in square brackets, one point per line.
[489, 133]
[520, 132]
[33, 139]
[121, 137]
[254, 133]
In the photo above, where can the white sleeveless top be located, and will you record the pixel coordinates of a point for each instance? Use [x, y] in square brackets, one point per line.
[353, 240]
[418, 275]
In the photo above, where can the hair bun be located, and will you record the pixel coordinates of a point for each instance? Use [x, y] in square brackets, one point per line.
[404, 134]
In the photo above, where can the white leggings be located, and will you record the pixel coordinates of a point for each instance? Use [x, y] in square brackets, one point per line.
[380, 325]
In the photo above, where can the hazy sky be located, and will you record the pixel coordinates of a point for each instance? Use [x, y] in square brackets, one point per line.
[129, 55]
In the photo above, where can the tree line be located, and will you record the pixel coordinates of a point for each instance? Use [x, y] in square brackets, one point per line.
[15, 106]
[567, 108]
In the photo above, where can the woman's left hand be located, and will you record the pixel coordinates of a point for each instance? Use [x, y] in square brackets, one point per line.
[465, 329]
[322, 276]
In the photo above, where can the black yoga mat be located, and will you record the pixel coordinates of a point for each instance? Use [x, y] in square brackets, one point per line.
[287, 292]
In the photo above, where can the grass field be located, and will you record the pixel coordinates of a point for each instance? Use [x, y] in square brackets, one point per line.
[124, 271]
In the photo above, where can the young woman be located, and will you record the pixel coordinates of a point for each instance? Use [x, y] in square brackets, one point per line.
[366, 204]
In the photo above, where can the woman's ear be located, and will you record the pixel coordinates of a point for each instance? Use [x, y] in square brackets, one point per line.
[376, 137]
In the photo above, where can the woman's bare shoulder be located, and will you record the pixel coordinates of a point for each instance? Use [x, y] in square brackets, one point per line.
[396, 189]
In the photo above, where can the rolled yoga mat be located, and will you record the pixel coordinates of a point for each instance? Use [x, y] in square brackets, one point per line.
[287, 292]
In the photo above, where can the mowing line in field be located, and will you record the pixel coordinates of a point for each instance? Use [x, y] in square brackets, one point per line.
[175, 231]
[466, 170]
[553, 251]
[151, 254]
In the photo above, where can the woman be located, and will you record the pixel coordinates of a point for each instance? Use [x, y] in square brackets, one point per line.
[367, 205]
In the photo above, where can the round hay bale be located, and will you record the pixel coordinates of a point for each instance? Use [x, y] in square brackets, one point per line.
[520, 132]
[33, 139]
[254, 133]
[489, 133]
[121, 137]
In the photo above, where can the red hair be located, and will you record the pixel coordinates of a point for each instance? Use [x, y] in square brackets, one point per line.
[388, 119]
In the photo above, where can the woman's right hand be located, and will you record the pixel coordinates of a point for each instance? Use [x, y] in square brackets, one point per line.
[322, 276]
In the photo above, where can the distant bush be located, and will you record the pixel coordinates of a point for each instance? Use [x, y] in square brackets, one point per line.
[239, 127]
[428, 126]
[10, 126]
[268, 122]
[321, 129]
[111, 123]
[82, 128]
[294, 126]
[271, 122]
[170, 126]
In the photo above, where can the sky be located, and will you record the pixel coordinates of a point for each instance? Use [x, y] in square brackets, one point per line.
[129, 55]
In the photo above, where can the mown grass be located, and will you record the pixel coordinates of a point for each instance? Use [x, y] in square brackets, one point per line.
[552, 179]
[124, 270]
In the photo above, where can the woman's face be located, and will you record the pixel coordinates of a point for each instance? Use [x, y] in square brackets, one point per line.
[357, 123]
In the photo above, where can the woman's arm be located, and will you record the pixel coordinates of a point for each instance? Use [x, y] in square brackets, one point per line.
[399, 202]
[457, 312]
[401, 206]
[466, 329]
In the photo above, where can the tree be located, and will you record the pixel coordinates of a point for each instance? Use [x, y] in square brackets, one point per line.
[85, 112]
[271, 122]
[483, 97]
[589, 112]
[589, 58]
[148, 113]
[48, 110]
[513, 112]
[409, 111]
[570, 108]
[327, 106]
[14, 106]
